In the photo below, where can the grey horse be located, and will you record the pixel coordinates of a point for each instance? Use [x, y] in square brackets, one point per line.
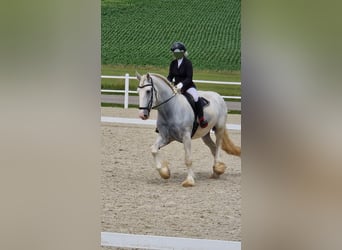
[175, 123]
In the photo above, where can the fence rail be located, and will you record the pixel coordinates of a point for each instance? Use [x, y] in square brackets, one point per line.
[126, 92]
[133, 241]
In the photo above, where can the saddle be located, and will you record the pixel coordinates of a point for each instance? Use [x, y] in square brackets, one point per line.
[191, 101]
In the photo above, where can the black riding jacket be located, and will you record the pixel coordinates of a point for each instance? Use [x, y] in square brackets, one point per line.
[182, 74]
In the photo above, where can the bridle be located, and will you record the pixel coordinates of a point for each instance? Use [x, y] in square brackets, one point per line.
[150, 102]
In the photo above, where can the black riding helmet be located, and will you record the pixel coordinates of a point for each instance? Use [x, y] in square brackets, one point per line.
[178, 47]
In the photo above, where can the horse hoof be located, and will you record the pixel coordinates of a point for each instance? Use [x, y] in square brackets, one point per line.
[164, 172]
[219, 168]
[189, 182]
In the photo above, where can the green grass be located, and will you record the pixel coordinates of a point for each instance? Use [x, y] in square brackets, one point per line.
[116, 105]
[136, 35]
[225, 90]
[140, 32]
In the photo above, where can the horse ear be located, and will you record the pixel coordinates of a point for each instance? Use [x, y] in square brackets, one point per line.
[149, 78]
[138, 75]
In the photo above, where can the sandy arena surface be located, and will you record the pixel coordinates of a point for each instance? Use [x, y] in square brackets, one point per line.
[136, 200]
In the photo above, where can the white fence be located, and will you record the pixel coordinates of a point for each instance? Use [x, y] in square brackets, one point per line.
[151, 242]
[127, 91]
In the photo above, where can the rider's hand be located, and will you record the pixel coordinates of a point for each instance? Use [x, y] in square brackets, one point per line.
[179, 85]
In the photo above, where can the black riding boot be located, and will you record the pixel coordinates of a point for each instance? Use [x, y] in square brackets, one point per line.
[203, 123]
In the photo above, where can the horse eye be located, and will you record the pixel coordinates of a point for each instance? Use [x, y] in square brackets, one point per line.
[148, 92]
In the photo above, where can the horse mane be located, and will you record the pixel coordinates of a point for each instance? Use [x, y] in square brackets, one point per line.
[164, 79]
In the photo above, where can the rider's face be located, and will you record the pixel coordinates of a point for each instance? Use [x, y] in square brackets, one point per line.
[178, 55]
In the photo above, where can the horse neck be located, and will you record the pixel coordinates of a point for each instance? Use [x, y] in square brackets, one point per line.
[172, 104]
[163, 90]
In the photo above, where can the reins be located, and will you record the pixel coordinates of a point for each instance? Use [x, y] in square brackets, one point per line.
[164, 101]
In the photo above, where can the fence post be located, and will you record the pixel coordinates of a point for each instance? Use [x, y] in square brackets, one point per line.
[126, 90]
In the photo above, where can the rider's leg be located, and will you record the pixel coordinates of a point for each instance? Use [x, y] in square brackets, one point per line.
[199, 108]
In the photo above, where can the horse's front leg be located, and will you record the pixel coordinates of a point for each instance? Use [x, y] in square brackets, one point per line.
[189, 181]
[162, 167]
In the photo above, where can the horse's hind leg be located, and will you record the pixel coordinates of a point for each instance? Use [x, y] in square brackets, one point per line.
[162, 167]
[218, 167]
[210, 143]
[189, 181]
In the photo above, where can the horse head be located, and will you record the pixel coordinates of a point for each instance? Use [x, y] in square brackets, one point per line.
[145, 91]
[153, 89]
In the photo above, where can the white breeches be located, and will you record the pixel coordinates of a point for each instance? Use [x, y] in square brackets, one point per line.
[192, 91]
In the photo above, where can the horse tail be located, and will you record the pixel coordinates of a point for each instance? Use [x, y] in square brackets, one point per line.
[229, 146]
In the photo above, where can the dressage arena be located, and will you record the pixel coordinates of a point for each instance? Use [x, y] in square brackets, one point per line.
[135, 200]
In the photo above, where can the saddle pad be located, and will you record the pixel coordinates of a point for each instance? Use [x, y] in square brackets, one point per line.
[191, 101]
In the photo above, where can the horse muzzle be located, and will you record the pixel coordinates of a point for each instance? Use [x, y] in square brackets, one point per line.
[144, 114]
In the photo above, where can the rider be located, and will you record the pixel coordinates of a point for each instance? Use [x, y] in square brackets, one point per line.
[181, 72]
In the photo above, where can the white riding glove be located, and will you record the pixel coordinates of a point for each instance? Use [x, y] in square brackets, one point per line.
[179, 86]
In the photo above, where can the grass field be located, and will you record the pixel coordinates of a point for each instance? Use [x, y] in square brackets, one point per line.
[136, 35]
[140, 32]
[226, 90]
